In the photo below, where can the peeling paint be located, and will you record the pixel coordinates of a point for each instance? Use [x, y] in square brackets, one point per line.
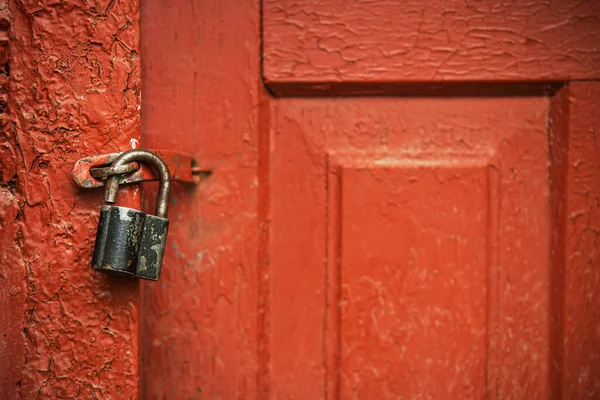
[73, 90]
[315, 43]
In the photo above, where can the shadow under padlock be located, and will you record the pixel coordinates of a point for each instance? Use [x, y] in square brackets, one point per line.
[131, 242]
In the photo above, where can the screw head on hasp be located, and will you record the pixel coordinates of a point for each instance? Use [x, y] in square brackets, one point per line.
[149, 158]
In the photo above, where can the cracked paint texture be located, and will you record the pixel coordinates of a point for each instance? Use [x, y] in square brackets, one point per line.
[405, 243]
[416, 41]
[279, 270]
[72, 89]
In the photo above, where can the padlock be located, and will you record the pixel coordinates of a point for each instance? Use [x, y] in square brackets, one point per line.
[131, 242]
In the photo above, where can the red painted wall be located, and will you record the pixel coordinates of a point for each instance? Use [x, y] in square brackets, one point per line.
[72, 89]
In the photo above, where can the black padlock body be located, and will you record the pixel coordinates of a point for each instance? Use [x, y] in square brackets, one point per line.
[118, 240]
[152, 247]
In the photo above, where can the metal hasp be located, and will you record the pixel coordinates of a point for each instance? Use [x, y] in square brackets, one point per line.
[130, 242]
[91, 172]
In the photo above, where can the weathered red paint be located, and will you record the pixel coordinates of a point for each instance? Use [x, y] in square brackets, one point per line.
[418, 209]
[201, 95]
[73, 90]
[367, 247]
[389, 41]
[575, 178]
[440, 245]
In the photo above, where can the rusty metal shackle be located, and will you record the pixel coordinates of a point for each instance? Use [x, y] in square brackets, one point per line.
[146, 157]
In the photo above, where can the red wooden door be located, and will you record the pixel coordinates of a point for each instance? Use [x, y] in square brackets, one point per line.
[409, 210]
[404, 202]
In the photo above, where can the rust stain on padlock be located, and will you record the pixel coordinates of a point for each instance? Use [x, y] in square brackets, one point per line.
[89, 172]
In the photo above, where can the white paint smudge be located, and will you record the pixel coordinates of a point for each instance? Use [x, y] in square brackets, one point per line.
[124, 214]
[142, 264]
